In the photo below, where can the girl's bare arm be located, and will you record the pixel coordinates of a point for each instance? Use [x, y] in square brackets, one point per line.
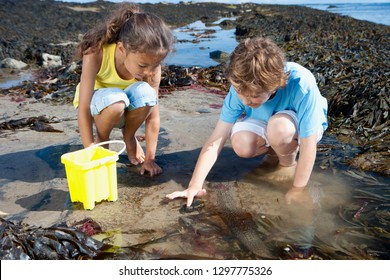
[90, 68]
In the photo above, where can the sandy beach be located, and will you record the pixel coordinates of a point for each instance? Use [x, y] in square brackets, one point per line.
[31, 163]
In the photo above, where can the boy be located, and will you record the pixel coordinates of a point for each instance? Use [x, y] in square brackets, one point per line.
[284, 113]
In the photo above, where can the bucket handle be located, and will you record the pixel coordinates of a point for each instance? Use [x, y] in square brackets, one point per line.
[110, 142]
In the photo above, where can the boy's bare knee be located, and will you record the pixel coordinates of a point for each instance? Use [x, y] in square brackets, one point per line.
[244, 144]
[281, 130]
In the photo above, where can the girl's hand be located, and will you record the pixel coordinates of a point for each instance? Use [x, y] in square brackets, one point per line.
[150, 167]
[189, 193]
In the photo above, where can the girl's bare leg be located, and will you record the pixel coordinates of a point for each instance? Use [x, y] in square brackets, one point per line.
[134, 120]
[107, 120]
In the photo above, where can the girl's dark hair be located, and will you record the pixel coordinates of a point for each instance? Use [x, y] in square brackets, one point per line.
[138, 31]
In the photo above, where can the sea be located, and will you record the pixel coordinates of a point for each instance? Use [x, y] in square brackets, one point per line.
[374, 12]
[189, 53]
[377, 11]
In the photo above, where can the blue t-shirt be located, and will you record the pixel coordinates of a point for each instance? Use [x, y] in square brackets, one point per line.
[301, 95]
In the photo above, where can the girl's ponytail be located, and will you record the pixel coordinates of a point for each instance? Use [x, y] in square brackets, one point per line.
[116, 22]
[107, 32]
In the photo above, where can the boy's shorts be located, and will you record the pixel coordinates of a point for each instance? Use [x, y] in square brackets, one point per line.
[137, 95]
[260, 127]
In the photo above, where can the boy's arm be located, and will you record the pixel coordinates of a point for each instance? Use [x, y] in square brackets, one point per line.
[206, 160]
[307, 156]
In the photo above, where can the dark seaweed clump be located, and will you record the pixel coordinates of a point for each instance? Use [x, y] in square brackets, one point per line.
[20, 241]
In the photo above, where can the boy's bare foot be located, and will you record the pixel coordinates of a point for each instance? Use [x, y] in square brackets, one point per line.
[281, 174]
[135, 153]
[269, 162]
[273, 174]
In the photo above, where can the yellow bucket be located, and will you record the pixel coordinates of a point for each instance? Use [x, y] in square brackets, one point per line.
[91, 174]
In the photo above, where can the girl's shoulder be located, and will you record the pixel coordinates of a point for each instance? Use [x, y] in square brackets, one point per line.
[94, 52]
[93, 58]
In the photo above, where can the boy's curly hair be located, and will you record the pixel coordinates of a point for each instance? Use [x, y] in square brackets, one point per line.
[257, 66]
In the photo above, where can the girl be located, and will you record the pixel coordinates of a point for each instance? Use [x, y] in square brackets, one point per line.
[120, 79]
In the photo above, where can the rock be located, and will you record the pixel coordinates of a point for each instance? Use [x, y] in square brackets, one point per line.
[71, 67]
[219, 56]
[227, 24]
[12, 63]
[50, 61]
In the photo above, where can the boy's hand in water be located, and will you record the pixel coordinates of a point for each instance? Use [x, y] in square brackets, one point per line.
[189, 193]
[293, 194]
[300, 196]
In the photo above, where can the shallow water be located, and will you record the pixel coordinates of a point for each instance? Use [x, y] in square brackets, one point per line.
[344, 214]
[10, 78]
[333, 223]
[189, 53]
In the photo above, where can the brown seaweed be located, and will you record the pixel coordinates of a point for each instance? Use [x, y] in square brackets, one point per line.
[195, 206]
[22, 241]
[240, 222]
[40, 124]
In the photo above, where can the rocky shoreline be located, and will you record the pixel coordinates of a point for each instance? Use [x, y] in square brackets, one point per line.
[350, 59]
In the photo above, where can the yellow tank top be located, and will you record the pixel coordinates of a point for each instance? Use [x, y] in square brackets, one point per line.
[107, 77]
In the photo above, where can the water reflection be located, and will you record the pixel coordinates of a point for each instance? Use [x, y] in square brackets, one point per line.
[195, 42]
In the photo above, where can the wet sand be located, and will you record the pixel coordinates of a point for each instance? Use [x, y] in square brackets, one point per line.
[34, 187]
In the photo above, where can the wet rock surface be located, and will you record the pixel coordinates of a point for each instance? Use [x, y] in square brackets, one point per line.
[349, 58]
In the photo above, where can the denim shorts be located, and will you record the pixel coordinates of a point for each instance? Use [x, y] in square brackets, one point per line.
[260, 127]
[137, 95]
